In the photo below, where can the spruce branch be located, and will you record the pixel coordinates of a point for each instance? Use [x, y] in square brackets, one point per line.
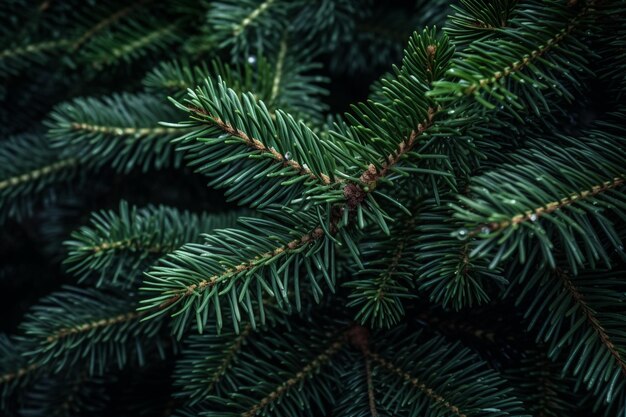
[380, 289]
[274, 157]
[121, 130]
[131, 43]
[99, 327]
[15, 371]
[594, 302]
[119, 245]
[592, 319]
[306, 372]
[108, 21]
[206, 362]
[541, 196]
[17, 57]
[479, 19]
[528, 58]
[236, 266]
[30, 172]
[445, 269]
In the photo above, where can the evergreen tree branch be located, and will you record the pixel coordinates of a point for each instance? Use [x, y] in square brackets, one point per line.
[534, 214]
[15, 58]
[108, 21]
[97, 327]
[591, 318]
[531, 198]
[257, 145]
[526, 61]
[30, 172]
[121, 130]
[232, 267]
[131, 43]
[384, 283]
[122, 243]
[445, 270]
[306, 372]
[249, 19]
[415, 382]
[588, 338]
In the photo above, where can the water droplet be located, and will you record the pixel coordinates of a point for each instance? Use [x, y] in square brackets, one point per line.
[512, 201]
[451, 112]
[288, 156]
[485, 230]
[462, 234]
[252, 60]
[533, 217]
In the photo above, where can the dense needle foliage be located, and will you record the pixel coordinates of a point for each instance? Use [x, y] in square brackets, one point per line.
[287, 208]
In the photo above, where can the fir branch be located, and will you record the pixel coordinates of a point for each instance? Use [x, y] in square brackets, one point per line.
[373, 175]
[285, 160]
[34, 48]
[385, 281]
[534, 54]
[30, 173]
[530, 197]
[591, 318]
[207, 361]
[121, 244]
[233, 266]
[428, 375]
[594, 302]
[131, 42]
[139, 43]
[278, 72]
[535, 214]
[20, 373]
[272, 153]
[38, 173]
[138, 132]
[504, 80]
[306, 372]
[415, 382]
[108, 21]
[249, 19]
[121, 130]
[251, 264]
[93, 326]
[15, 58]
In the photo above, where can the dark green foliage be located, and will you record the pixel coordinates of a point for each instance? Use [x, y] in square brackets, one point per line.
[118, 245]
[96, 330]
[65, 396]
[121, 130]
[518, 65]
[452, 246]
[447, 272]
[290, 153]
[590, 338]
[563, 205]
[235, 268]
[30, 173]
